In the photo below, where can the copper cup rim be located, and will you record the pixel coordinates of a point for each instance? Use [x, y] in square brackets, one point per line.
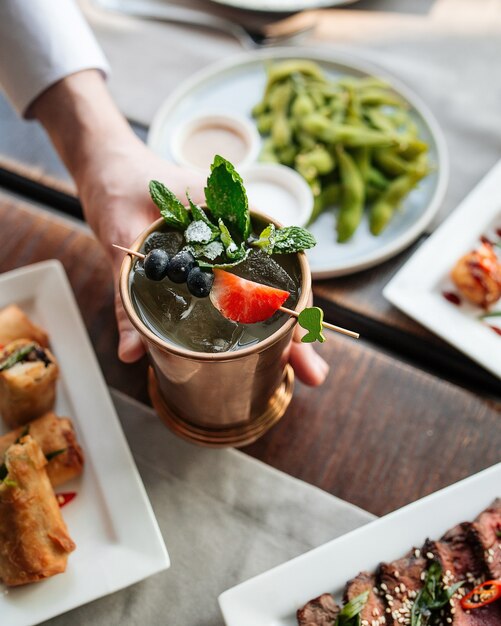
[193, 355]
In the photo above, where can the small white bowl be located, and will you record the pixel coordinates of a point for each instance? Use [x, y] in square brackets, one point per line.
[278, 191]
[231, 136]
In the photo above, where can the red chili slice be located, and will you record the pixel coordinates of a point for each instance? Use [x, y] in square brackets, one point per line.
[487, 592]
[64, 498]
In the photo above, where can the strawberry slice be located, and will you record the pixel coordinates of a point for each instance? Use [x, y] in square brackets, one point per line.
[244, 301]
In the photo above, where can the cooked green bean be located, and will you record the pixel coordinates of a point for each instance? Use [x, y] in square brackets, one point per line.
[353, 139]
[352, 196]
[388, 202]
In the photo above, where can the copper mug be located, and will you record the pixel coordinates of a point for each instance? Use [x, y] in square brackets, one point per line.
[218, 399]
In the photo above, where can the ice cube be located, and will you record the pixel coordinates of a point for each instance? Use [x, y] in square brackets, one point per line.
[171, 242]
[262, 268]
[204, 329]
[158, 301]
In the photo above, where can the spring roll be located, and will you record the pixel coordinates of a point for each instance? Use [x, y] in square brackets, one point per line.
[57, 438]
[34, 540]
[28, 374]
[15, 324]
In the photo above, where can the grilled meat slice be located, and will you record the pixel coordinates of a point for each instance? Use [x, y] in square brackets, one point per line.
[321, 611]
[459, 563]
[485, 536]
[374, 610]
[400, 581]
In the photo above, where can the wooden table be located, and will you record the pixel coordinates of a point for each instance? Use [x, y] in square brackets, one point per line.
[380, 433]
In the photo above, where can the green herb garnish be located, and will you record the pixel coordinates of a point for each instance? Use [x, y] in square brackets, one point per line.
[293, 239]
[9, 482]
[432, 597]
[350, 613]
[171, 209]
[226, 197]
[266, 240]
[52, 455]
[16, 357]
[493, 314]
[198, 232]
[284, 240]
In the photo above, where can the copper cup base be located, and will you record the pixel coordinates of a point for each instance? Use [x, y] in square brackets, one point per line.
[229, 436]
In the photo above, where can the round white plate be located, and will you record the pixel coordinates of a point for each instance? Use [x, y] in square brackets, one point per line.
[234, 86]
[282, 5]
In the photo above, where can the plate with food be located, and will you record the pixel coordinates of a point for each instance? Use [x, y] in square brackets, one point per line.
[371, 152]
[283, 5]
[416, 566]
[75, 520]
[452, 284]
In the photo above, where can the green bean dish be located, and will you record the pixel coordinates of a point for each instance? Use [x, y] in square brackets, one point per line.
[352, 139]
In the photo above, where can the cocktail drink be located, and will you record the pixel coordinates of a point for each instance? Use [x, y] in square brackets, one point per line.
[179, 317]
[206, 301]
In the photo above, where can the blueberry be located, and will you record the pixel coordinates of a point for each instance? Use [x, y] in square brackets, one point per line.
[156, 264]
[200, 282]
[180, 266]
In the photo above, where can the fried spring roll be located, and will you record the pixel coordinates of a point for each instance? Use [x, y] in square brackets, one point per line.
[28, 375]
[15, 324]
[57, 438]
[34, 540]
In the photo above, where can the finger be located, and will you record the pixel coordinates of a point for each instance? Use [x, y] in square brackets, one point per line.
[308, 365]
[130, 346]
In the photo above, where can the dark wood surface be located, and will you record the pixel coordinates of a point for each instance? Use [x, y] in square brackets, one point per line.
[380, 433]
[30, 166]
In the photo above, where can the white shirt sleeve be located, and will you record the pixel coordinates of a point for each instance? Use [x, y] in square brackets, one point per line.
[41, 42]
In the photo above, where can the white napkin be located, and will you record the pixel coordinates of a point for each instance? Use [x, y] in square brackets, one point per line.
[224, 516]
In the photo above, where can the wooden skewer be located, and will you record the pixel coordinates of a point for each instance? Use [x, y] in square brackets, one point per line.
[337, 329]
[290, 312]
[138, 254]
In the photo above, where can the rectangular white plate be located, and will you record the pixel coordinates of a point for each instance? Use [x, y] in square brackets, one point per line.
[273, 598]
[417, 289]
[111, 519]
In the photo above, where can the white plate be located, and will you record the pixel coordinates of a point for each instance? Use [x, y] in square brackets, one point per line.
[234, 86]
[110, 520]
[418, 287]
[273, 598]
[283, 5]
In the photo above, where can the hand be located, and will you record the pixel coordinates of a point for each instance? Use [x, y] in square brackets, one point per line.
[112, 169]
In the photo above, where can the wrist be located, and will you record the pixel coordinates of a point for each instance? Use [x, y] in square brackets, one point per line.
[83, 123]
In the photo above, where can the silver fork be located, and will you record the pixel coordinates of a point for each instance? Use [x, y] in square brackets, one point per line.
[274, 33]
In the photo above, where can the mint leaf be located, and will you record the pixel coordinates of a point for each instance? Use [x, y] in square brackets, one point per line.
[293, 239]
[225, 266]
[197, 213]
[198, 232]
[226, 197]
[171, 209]
[209, 251]
[233, 252]
[266, 239]
[311, 320]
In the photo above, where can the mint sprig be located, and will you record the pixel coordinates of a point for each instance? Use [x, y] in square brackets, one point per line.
[171, 209]
[226, 198]
[284, 240]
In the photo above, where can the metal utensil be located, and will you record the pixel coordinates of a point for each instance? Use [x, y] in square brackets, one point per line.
[274, 33]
